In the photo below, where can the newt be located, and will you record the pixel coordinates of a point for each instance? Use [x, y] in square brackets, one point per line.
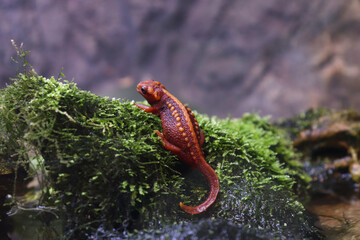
[181, 135]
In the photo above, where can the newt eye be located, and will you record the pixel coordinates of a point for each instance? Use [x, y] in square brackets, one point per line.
[143, 90]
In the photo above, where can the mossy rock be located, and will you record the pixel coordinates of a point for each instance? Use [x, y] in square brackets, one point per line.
[107, 169]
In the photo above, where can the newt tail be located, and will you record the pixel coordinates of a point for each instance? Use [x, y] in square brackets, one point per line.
[212, 178]
[181, 135]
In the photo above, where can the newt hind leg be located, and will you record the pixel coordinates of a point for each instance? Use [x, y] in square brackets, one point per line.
[168, 145]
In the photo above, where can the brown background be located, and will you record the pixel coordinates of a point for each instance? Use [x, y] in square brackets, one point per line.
[275, 57]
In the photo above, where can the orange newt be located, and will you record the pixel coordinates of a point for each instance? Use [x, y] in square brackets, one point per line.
[181, 135]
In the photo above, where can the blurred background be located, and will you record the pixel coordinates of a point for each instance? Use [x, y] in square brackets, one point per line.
[274, 57]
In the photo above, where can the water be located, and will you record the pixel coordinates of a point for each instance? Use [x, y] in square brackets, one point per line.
[339, 218]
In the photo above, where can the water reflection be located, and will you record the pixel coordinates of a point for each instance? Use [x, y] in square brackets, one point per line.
[35, 223]
[337, 217]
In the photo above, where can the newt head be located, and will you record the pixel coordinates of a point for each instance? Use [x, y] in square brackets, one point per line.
[151, 90]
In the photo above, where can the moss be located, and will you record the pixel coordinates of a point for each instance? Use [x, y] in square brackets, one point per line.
[268, 150]
[105, 167]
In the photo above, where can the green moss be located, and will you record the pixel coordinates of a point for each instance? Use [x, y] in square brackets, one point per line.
[106, 167]
[267, 149]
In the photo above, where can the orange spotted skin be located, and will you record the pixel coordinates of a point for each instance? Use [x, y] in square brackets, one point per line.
[181, 135]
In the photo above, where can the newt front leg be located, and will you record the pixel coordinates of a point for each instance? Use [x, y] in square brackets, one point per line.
[147, 108]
